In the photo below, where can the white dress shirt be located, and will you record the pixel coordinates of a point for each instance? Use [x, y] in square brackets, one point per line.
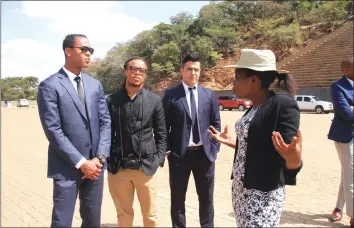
[188, 96]
[72, 77]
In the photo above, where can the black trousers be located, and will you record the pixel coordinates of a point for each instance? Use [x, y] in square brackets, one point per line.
[203, 172]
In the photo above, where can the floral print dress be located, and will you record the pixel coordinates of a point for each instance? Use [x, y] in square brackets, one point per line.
[253, 208]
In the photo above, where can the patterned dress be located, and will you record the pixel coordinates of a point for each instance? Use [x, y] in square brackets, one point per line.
[253, 208]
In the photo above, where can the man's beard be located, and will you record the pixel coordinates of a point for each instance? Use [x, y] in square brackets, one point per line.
[134, 84]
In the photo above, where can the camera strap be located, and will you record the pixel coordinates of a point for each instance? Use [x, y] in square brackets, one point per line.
[120, 132]
[141, 124]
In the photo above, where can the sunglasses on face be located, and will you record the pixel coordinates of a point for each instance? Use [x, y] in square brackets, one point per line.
[84, 49]
[137, 70]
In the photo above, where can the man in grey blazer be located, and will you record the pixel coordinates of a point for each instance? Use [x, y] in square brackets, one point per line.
[75, 119]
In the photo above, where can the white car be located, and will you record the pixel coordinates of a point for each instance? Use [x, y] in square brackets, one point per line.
[23, 103]
[313, 103]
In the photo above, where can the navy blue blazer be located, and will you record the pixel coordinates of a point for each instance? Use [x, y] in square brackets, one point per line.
[66, 125]
[342, 127]
[179, 122]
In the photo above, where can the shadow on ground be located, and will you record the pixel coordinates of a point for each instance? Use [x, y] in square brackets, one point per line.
[289, 217]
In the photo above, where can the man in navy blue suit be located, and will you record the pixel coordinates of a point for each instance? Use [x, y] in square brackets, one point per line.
[75, 119]
[342, 133]
[190, 109]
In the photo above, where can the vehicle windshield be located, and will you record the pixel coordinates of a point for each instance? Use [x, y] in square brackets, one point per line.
[316, 98]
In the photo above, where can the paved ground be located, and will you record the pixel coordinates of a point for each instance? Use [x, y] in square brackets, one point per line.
[26, 192]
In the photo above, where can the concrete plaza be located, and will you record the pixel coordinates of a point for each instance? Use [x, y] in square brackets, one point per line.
[26, 193]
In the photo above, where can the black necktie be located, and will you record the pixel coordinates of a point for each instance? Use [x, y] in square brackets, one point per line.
[195, 130]
[80, 90]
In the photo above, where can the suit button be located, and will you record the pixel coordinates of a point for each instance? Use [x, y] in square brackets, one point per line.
[86, 128]
[87, 145]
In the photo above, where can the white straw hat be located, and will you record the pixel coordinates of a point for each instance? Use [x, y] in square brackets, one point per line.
[258, 60]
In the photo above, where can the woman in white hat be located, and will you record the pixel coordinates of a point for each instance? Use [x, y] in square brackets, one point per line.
[268, 145]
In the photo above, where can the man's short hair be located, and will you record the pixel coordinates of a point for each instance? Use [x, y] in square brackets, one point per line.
[70, 39]
[193, 57]
[346, 63]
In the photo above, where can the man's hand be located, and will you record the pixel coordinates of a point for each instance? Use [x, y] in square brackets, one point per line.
[91, 169]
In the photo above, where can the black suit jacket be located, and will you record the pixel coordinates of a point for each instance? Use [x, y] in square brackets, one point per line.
[265, 169]
[153, 135]
[179, 122]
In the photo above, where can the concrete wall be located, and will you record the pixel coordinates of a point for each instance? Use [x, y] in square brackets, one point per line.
[322, 93]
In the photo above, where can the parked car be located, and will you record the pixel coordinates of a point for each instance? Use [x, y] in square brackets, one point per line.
[313, 103]
[231, 102]
[23, 103]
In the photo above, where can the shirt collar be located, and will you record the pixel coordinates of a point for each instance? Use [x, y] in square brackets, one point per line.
[139, 92]
[71, 75]
[350, 81]
[185, 86]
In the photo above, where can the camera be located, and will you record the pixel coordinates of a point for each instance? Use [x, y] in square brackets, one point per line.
[114, 161]
[129, 163]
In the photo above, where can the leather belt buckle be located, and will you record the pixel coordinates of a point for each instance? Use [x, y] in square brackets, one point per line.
[194, 148]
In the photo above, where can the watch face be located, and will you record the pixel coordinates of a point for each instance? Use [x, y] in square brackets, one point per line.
[101, 158]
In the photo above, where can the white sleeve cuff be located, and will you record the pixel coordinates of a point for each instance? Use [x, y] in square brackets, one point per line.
[79, 164]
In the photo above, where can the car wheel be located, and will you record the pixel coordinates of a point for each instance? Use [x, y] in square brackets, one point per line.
[319, 109]
[241, 108]
[221, 107]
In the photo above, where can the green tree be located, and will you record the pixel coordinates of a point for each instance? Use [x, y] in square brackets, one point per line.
[14, 88]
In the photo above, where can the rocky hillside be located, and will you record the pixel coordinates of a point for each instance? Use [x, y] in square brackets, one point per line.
[218, 78]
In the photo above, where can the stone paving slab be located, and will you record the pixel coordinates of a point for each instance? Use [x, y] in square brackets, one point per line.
[26, 193]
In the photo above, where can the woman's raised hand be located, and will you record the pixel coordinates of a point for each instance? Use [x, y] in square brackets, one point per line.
[222, 137]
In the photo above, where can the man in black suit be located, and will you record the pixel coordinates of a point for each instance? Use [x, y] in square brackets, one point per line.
[138, 145]
[190, 109]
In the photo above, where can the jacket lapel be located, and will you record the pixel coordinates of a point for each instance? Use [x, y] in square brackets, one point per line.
[201, 101]
[66, 83]
[146, 104]
[87, 91]
[348, 88]
[184, 100]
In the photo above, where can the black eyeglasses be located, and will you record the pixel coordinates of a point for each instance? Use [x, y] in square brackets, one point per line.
[85, 49]
[137, 70]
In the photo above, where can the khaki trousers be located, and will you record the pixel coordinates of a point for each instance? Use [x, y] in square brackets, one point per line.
[346, 187]
[122, 187]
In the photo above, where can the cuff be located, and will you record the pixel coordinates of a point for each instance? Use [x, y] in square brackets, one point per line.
[79, 164]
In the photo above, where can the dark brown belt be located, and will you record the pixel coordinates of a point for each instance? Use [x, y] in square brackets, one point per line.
[195, 148]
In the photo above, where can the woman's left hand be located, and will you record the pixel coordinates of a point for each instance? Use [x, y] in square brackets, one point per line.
[287, 150]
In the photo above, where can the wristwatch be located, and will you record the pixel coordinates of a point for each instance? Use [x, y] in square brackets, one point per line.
[101, 158]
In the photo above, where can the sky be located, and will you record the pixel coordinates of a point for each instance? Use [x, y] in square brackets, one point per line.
[32, 32]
